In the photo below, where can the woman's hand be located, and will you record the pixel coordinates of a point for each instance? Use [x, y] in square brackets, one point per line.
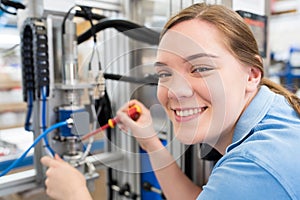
[64, 181]
[142, 129]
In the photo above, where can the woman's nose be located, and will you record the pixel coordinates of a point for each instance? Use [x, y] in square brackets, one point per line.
[180, 87]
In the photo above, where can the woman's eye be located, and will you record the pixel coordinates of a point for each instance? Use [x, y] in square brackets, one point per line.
[199, 69]
[163, 74]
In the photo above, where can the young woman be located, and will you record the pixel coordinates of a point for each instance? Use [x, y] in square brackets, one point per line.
[211, 86]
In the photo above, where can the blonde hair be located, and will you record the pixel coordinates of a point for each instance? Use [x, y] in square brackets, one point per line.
[239, 39]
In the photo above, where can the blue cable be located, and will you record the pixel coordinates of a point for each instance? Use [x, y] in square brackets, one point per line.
[16, 162]
[44, 124]
[44, 99]
[29, 111]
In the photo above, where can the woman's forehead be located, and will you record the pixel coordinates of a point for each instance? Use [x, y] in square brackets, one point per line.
[189, 37]
[178, 43]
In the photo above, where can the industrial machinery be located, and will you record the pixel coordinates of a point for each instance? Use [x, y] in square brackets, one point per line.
[66, 87]
[73, 83]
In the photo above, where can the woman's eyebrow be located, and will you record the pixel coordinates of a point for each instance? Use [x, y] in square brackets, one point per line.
[159, 64]
[199, 55]
[189, 58]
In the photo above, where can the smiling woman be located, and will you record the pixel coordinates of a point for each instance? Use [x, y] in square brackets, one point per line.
[212, 88]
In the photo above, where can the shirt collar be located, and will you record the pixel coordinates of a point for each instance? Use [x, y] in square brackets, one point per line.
[254, 113]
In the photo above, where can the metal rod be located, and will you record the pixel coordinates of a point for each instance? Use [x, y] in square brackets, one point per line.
[18, 182]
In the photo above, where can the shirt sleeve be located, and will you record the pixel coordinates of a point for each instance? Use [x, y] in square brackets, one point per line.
[241, 178]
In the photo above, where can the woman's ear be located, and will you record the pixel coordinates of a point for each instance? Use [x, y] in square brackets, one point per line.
[254, 78]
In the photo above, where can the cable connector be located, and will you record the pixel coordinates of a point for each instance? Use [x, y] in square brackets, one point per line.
[70, 122]
[98, 82]
[101, 84]
[91, 78]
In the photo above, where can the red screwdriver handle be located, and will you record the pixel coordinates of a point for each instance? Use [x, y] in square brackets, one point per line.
[133, 112]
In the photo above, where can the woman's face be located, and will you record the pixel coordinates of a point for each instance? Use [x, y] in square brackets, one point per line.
[202, 87]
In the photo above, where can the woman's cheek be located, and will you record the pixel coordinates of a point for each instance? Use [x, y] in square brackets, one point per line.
[162, 95]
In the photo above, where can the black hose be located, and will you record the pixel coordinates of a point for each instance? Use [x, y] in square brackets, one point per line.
[93, 15]
[13, 4]
[132, 30]
[148, 80]
[16, 5]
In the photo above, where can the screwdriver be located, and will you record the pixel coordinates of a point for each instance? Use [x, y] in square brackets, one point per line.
[133, 112]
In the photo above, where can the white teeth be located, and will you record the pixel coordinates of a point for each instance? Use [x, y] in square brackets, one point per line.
[185, 113]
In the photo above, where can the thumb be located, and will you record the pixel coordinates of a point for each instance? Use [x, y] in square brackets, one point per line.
[58, 158]
[47, 161]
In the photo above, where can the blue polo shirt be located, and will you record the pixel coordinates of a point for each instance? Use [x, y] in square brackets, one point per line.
[263, 161]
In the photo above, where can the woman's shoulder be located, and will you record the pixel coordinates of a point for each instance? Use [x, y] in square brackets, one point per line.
[270, 154]
[240, 175]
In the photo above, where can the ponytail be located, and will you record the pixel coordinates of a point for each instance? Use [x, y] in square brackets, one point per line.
[292, 98]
